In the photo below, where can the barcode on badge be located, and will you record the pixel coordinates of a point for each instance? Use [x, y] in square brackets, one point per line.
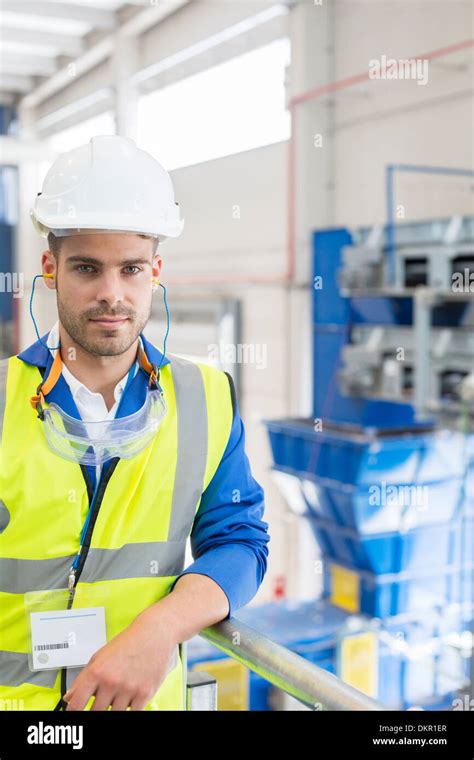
[42, 647]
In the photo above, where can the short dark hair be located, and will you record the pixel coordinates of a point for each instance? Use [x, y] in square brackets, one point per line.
[54, 244]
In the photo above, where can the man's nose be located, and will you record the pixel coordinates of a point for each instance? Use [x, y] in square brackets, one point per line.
[110, 288]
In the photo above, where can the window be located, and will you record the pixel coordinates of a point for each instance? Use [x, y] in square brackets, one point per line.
[229, 108]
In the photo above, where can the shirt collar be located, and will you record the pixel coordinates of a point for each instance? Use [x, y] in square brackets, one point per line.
[77, 388]
[81, 391]
[38, 355]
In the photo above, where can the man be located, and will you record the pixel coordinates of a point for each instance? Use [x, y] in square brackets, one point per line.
[112, 454]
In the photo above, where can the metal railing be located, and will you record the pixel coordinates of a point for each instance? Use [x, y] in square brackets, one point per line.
[306, 682]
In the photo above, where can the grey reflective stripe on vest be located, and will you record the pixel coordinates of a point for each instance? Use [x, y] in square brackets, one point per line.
[144, 560]
[191, 463]
[139, 560]
[71, 675]
[3, 391]
[4, 516]
[15, 671]
[17, 576]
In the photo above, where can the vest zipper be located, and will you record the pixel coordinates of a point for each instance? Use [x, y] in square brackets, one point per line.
[74, 575]
[71, 579]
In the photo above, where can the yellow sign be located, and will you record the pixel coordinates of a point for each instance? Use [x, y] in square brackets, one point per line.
[358, 662]
[344, 588]
[232, 683]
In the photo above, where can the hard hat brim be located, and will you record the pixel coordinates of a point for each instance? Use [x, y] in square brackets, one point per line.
[63, 227]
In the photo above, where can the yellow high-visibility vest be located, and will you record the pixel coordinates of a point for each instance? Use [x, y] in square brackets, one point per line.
[141, 520]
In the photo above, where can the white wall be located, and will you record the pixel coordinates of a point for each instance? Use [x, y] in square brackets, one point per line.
[394, 121]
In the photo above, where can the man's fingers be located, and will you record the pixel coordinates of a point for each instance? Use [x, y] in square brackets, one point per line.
[121, 702]
[103, 698]
[141, 698]
[108, 689]
[78, 701]
[80, 694]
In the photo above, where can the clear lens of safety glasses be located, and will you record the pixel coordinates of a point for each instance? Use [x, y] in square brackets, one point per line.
[93, 443]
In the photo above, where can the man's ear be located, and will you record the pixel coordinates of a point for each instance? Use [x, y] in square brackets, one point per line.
[156, 266]
[48, 265]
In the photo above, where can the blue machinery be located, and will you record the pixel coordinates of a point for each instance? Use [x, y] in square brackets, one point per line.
[385, 467]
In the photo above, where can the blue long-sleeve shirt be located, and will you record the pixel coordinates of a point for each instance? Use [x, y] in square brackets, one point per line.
[229, 537]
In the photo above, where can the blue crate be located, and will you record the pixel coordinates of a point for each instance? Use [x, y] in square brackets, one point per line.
[358, 456]
[355, 479]
[392, 593]
[434, 546]
[353, 507]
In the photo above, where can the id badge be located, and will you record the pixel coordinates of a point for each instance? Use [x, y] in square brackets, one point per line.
[62, 636]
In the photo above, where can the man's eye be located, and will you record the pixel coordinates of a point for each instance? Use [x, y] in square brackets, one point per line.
[83, 267]
[132, 266]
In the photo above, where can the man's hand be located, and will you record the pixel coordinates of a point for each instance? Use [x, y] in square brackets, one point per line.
[128, 670]
[131, 667]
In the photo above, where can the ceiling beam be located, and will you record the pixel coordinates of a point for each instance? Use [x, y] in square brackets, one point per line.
[151, 16]
[92, 58]
[36, 65]
[95, 17]
[102, 50]
[61, 43]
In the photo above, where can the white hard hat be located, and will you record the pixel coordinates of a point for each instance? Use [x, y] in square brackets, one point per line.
[110, 185]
